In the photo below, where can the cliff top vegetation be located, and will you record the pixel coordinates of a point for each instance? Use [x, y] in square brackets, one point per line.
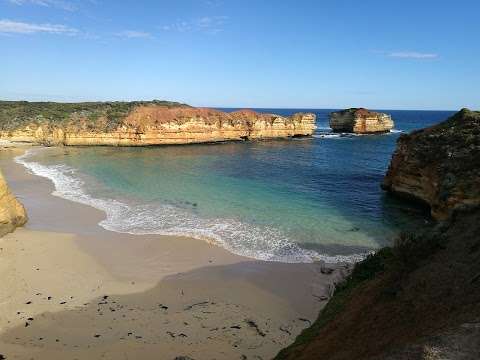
[15, 114]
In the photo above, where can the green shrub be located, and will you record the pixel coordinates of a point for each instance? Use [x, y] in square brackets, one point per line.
[17, 114]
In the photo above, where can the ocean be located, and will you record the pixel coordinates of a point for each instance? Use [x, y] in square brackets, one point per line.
[293, 200]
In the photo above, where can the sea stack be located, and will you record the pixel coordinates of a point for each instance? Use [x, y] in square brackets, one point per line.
[360, 121]
[12, 213]
[439, 165]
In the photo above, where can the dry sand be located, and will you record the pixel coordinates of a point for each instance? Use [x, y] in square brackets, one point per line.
[73, 290]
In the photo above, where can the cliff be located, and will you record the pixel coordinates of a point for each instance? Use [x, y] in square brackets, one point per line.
[360, 121]
[419, 299]
[12, 213]
[440, 165]
[141, 123]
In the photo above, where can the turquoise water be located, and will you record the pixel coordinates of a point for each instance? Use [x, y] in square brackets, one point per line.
[284, 200]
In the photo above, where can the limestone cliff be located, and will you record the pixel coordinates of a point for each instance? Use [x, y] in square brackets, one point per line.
[360, 121]
[140, 124]
[12, 213]
[440, 165]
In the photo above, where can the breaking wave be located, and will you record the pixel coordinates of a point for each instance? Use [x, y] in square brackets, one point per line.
[262, 243]
[332, 135]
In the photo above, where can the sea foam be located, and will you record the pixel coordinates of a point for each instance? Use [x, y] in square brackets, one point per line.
[332, 135]
[262, 243]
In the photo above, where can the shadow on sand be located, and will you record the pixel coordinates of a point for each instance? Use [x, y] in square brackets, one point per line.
[247, 310]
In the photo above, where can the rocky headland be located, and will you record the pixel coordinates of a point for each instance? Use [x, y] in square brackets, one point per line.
[440, 165]
[12, 213]
[360, 121]
[141, 124]
[419, 299]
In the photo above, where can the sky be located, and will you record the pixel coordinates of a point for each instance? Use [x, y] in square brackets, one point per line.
[405, 54]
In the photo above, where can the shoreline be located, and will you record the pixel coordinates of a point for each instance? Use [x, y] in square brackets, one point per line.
[216, 304]
[66, 186]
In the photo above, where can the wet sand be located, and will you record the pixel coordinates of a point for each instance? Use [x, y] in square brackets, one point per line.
[74, 290]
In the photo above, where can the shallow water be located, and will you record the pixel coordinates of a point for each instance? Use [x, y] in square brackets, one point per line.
[286, 200]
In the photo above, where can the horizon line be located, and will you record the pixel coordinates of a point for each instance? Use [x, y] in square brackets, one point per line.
[237, 107]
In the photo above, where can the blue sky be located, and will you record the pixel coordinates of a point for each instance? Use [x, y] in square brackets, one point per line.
[316, 54]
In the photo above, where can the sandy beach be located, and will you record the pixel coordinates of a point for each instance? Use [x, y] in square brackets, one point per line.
[73, 290]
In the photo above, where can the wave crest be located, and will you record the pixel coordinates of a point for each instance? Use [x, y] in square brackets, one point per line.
[262, 243]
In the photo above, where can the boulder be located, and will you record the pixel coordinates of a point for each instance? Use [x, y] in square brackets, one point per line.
[12, 213]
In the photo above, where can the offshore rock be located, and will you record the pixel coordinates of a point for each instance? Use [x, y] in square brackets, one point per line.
[360, 121]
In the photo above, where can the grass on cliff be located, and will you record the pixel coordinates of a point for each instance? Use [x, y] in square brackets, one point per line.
[16, 114]
[408, 253]
[362, 272]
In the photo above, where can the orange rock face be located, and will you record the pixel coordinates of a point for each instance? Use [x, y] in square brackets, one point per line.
[12, 213]
[360, 121]
[157, 125]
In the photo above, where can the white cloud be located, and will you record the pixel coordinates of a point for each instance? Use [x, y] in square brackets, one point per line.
[208, 24]
[213, 3]
[134, 34]
[64, 5]
[16, 27]
[180, 26]
[412, 55]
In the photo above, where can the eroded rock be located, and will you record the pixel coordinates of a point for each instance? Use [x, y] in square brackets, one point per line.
[439, 165]
[12, 213]
[152, 124]
[360, 121]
